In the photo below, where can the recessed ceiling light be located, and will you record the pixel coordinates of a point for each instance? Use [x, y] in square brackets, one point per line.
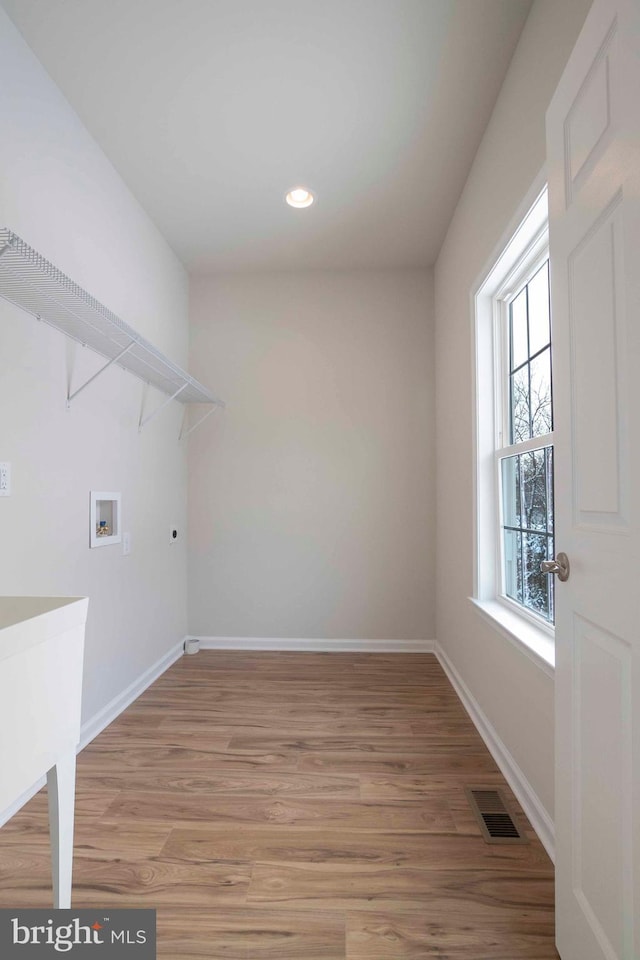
[299, 197]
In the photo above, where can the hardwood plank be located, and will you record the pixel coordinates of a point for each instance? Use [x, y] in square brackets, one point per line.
[431, 815]
[366, 746]
[25, 880]
[298, 665]
[121, 839]
[184, 720]
[311, 786]
[133, 741]
[473, 765]
[100, 839]
[331, 691]
[449, 724]
[148, 756]
[132, 719]
[332, 694]
[496, 893]
[315, 708]
[131, 738]
[249, 934]
[415, 936]
[303, 670]
[307, 844]
[284, 713]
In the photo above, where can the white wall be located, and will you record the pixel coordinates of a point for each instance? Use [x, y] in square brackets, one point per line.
[311, 496]
[60, 194]
[513, 692]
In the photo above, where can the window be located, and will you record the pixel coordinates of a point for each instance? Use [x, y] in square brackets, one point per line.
[514, 436]
[525, 462]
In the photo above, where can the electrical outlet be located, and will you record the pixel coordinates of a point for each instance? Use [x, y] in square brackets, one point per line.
[5, 479]
[173, 534]
[126, 544]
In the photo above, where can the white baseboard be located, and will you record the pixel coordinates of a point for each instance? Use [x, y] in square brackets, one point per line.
[526, 795]
[100, 720]
[104, 717]
[328, 646]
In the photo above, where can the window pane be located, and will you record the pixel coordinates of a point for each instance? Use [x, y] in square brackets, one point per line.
[519, 342]
[536, 583]
[527, 528]
[541, 415]
[534, 490]
[520, 405]
[513, 564]
[549, 472]
[539, 333]
[511, 492]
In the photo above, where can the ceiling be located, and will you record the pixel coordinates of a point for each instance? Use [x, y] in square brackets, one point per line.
[212, 109]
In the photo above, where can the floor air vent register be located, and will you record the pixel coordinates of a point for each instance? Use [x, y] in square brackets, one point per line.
[496, 822]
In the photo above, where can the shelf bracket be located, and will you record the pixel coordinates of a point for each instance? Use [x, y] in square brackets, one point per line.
[185, 433]
[34, 284]
[70, 396]
[155, 413]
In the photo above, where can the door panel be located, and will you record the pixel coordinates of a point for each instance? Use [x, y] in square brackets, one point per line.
[593, 154]
[589, 117]
[596, 330]
[602, 782]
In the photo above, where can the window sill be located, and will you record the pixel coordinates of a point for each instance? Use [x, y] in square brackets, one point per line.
[534, 642]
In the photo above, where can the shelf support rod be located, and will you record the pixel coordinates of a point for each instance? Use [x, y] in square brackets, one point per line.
[70, 396]
[185, 433]
[161, 407]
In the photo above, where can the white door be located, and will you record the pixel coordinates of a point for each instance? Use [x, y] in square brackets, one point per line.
[593, 154]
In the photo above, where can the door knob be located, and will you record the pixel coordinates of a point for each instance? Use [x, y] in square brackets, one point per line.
[560, 566]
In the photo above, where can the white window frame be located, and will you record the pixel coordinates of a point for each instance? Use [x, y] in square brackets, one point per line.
[533, 258]
[524, 245]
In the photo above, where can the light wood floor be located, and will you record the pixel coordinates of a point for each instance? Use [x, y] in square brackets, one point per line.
[295, 807]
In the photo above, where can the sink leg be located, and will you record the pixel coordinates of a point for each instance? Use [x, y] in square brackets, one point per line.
[61, 780]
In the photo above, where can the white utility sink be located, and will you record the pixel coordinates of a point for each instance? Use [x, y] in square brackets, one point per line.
[41, 651]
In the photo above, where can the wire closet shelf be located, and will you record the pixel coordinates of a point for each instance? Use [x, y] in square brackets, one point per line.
[37, 286]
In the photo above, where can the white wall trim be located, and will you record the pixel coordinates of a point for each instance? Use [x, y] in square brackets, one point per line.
[319, 645]
[101, 720]
[524, 792]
